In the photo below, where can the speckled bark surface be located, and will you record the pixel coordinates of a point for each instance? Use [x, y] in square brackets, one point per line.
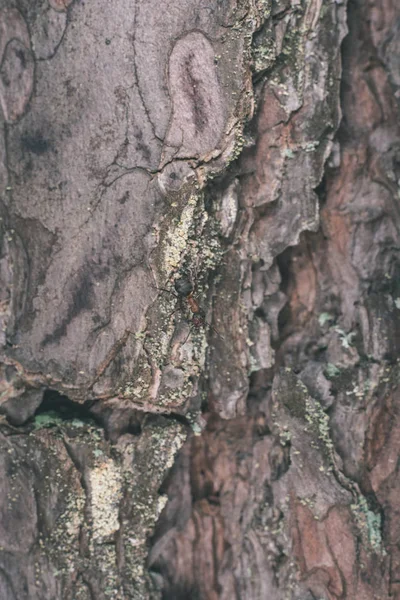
[76, 511]
[307, 507]
[102, 155]
[248, 147]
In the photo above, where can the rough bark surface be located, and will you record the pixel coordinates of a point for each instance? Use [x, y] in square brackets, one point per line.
[249, 450]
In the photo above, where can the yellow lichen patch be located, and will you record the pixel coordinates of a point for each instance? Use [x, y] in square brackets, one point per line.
[177, 237]
[176, 445]
[74, 515]
[106, 492]
[161, 503]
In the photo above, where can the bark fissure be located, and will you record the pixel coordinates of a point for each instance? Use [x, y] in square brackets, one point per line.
[280, 395]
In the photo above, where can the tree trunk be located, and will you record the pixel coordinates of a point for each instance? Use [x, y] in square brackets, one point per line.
[200, 300]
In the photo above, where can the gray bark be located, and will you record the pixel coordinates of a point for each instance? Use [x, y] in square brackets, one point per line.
[250, 450]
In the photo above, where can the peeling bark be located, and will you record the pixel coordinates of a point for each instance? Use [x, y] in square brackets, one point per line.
[239, 440]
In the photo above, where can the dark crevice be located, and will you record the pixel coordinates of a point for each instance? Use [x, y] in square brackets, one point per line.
[182, 592]
[60, 409]
[177, 417]
[65, 409]
[285, 318]
[321, 190]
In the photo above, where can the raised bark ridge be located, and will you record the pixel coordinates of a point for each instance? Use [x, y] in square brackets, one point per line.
[118, 174]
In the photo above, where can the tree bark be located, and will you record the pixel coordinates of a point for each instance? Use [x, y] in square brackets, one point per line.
[200, 300]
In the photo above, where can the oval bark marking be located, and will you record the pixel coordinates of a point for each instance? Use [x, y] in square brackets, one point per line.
[198, 115]
[16, 65]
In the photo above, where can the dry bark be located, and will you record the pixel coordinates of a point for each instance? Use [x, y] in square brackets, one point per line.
[254, 148]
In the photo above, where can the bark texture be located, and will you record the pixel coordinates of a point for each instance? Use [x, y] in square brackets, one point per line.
[248, 451]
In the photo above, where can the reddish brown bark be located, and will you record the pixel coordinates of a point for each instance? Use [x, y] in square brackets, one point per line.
[254, 148]
[339, 332]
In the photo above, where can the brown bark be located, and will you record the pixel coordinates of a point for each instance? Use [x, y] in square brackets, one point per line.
[247, 148]
[314, 516]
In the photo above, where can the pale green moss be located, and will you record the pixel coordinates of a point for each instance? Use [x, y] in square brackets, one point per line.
[332, 370]
[346, 339]
[369, 523]
[288, 153]
[47, 419]
[325, 318]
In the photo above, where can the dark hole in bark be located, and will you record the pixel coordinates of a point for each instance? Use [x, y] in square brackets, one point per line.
[204, 405]
[209, 203]
[182, 593]
[284, 261]
[62, 407]
[258, 397]
[118, 422]
[280, 460]
[260, 313]
[163, 420]
[321, 192]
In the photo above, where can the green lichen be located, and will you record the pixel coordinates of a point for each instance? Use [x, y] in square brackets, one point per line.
[331, 370]
[47, 419]
[325, 318]
[346, 339]
[318, 420]
[310, 146]
[285, 435]
[307, 501]
[254, 364]
[369, 524]
[288, 153]
[264, 48]
[293, 49]
[294, 395]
